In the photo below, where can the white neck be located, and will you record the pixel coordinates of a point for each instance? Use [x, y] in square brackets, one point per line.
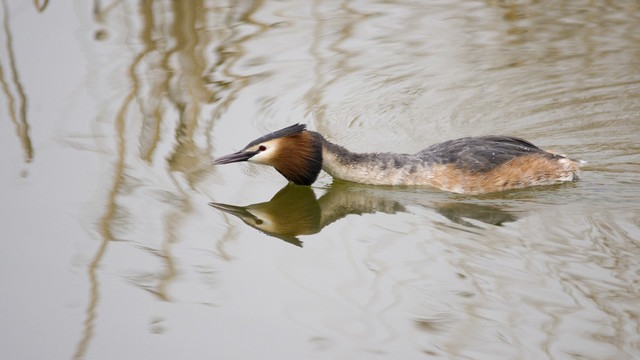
[374, 168]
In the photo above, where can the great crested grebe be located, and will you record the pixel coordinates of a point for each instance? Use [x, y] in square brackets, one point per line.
[470, 165]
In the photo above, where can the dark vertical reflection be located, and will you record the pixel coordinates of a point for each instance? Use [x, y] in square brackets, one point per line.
[107, 219]
[150, 103]
[110, 214]
[188, 92]
[40, 7]
[174, 81]
[325, 58]
[17, 102]
[229, 51]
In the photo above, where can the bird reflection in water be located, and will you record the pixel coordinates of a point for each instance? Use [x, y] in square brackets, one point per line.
[458, 212]
[292, 211]
[295, 210]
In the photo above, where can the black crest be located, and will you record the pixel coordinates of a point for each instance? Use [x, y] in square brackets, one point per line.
[289, 130]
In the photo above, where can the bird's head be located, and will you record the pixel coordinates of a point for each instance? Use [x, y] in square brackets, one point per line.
[295, 152]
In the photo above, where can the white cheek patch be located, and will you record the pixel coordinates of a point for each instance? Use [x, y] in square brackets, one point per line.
[256, 159]
[263, 157]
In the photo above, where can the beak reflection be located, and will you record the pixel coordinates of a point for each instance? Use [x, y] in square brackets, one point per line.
[292, 211]
[238, 211]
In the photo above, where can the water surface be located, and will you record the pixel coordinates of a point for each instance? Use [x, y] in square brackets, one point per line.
[111, 113]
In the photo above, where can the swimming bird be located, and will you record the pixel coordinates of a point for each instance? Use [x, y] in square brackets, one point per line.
[469, 165]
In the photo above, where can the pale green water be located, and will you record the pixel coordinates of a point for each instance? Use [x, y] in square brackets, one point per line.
[111, 112]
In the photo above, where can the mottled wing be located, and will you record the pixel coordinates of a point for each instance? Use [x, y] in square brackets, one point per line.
[479, 154]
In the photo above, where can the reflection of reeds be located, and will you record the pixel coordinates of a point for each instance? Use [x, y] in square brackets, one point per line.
[81, 348]
[17, 102]
[40, 7]
[172, 73]
[105, 230]
[330, 58]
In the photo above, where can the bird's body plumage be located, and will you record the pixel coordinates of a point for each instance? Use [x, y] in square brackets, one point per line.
[470, 165]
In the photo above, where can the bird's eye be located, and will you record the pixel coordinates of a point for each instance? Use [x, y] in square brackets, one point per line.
[262, 148]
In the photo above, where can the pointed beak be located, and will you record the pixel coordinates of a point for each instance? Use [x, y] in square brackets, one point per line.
[235, 157]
